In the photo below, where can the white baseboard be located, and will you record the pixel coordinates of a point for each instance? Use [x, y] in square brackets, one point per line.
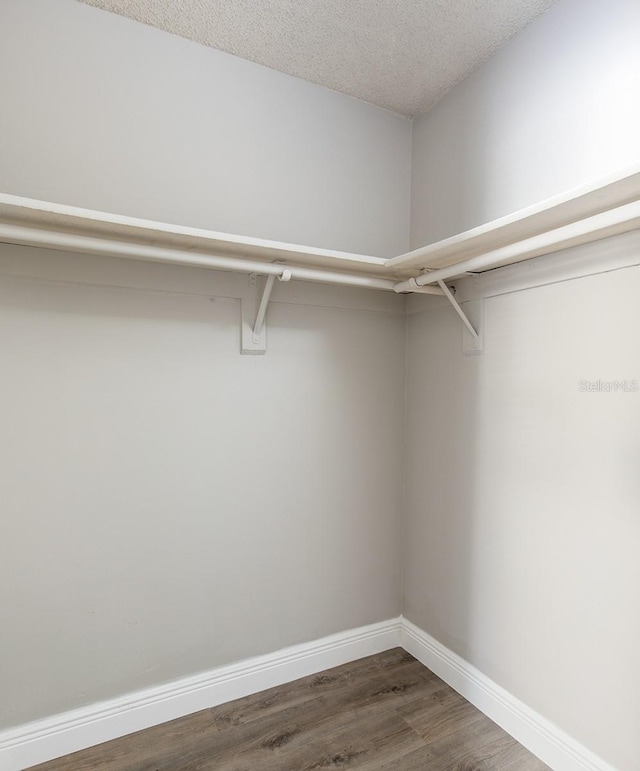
[536, 733]
[71, 731]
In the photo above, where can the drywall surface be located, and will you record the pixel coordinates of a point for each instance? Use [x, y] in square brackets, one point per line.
[555, 108]
[103, 112]
[169, 505]
[522, 527]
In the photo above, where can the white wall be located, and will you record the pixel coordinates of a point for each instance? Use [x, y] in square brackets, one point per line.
[522, 529]
[168, 505]
[102, 112]
[555, 108]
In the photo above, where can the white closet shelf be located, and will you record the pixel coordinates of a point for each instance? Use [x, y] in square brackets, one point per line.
[72, 221]
[584, 214]
[588, 213]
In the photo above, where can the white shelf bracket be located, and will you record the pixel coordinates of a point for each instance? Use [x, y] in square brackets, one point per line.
[254, 330]
[472, 335]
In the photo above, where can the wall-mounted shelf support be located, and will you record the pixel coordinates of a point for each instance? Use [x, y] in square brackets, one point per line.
[473, 339]
[262, 309]
[456, 307]
[254, 336]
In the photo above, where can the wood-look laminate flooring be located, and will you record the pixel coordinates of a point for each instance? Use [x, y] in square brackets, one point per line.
[382, 713]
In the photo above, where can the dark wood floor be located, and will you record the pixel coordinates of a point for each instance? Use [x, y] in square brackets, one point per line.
[382, 713]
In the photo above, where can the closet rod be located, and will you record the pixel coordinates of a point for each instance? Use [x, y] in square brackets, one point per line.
[607, 223]
[28, 236]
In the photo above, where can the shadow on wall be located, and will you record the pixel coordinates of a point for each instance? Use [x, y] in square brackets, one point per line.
[440, 476]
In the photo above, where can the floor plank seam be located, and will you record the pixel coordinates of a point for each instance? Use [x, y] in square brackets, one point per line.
[386, 712]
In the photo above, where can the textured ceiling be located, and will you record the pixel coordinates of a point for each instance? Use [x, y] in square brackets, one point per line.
[399, 54]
